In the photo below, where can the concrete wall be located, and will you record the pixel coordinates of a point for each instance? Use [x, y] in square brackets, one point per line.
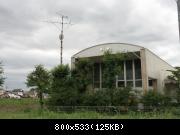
[157, 69]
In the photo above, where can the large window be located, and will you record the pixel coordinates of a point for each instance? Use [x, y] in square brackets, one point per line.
[138, 78]
[137, 64]
[131, 75]
[129, 70]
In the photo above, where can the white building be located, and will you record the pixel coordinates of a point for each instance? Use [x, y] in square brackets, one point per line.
[144, 71]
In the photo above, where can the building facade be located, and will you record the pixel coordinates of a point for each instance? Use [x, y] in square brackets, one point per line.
[143, 71]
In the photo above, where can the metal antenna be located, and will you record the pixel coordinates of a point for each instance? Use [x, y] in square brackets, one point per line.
[61, 36]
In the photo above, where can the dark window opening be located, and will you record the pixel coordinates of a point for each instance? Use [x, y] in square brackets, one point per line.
[121, 84]
[137, 64]
[150, 83]
[129, 71]
[121, 75]
[129, 83]
[138, 83]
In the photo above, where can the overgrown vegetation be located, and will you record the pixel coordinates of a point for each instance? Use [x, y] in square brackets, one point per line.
[73, 87]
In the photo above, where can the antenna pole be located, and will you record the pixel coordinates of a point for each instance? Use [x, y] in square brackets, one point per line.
[61, 36]
[61, 39]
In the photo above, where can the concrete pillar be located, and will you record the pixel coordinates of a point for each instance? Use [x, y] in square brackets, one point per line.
[144, 70]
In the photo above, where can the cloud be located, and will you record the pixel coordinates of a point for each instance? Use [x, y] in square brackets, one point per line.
[27, 40]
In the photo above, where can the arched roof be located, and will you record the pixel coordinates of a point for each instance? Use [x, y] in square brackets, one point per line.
[99, 49]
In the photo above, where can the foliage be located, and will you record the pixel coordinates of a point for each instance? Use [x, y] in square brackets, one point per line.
[99, 98]
[82, 73]
[121, 97]
[1, 75]
[63, 92]
[40, 79]
[153, 100]
[112, 67]
[175, 75]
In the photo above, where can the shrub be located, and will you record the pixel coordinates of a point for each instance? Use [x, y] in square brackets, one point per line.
[99, 98]
[121, 96]
[152, 100]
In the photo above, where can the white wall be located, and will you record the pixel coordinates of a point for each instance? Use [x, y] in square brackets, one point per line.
[157, 69]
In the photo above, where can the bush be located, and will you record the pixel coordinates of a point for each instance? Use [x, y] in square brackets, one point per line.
[152, 100]
[121, 97]
[99, 98]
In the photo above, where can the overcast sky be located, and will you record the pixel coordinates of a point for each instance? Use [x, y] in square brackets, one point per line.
[26, 40]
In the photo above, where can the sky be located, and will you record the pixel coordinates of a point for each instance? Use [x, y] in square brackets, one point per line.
[27, 39]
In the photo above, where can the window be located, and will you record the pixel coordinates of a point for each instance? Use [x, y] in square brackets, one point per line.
[150, 83]
[129, 71]
[137, 64]
[121, 75]
[129, 83]
[138, 83]
[121, 84]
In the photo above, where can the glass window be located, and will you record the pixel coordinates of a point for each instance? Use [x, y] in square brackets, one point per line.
[121, 84]
[129, 71]
[138, 83]
[129, 83]
[150, 83]
[121, 75]
[137, 64]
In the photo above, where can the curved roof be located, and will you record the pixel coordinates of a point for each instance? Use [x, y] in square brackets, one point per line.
[99, 49]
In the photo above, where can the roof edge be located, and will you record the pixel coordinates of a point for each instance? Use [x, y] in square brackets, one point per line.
[106, 44]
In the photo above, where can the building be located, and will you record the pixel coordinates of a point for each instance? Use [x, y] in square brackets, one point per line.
[144, 71]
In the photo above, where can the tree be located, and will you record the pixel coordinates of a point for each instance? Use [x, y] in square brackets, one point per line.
[40, 79]
[175, 75]
[83, 73]
[63, 90]
[1, 75]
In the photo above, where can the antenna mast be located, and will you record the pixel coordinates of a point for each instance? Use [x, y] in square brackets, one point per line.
[61, 36]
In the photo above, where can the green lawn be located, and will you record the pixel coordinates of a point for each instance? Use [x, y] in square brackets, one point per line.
[29, 109]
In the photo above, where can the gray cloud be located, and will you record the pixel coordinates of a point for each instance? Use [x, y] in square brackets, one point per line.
[26, 40]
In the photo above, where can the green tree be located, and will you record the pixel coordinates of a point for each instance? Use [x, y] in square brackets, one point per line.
[40, 79]
[176, 77]
[1, 75]
[83, 73]
[63, 92]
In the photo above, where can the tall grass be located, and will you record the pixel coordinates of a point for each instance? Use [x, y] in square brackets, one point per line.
[29, 109]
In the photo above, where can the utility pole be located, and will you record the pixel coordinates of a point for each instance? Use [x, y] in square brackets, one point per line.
[61, 36]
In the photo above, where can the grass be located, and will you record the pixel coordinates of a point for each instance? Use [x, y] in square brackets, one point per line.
[29, 109]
